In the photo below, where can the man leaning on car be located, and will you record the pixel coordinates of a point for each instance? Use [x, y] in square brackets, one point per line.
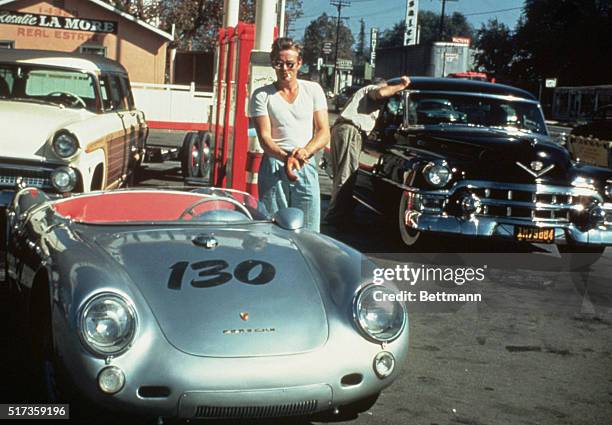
[355, 122]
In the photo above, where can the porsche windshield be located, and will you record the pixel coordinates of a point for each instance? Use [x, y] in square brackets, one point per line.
[486, 111]
[69, 88]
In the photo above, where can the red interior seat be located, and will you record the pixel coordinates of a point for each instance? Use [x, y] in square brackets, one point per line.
[133, 206]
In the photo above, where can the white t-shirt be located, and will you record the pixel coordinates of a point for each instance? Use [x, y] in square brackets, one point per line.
[292, 123]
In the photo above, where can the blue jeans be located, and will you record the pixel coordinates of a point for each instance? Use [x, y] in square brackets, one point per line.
[276, 191]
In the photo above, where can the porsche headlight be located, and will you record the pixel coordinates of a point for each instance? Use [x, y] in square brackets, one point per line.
[65, 145]
[378, 315]
[107, 324]
[437, 175]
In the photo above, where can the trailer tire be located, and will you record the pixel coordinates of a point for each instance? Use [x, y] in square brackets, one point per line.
[206, 157]
[191, 152]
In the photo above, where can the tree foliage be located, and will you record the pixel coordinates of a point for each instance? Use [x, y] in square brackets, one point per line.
[455, 25]
[564, 39]
[321, 30]
[293, 11]
[496, 50]
[567, 39]
[196, 22]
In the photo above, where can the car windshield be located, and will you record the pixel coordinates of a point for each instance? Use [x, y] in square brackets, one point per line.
[202, 205]
[73, 89]
[437, 108]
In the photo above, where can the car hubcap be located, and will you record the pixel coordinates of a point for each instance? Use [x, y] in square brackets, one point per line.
[194, 156]
[410, 236]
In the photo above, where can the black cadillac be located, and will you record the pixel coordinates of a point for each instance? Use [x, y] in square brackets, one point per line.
[473, 158]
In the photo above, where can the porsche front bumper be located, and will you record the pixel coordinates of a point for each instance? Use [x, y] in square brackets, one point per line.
[163, 381]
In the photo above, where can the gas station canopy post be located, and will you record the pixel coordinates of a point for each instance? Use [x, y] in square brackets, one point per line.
[230, 13]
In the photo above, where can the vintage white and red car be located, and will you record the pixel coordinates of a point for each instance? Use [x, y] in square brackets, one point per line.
[69, 123]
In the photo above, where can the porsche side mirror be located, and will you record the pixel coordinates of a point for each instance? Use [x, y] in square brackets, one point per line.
[290, 218]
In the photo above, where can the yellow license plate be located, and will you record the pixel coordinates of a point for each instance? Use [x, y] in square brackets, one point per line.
[534, 234]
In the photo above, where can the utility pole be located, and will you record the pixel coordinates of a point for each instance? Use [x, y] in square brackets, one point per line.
[339, 5]
[281, 14]
[441, 31]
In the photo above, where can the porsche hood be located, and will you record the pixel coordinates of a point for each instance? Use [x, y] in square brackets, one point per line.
[227, 293]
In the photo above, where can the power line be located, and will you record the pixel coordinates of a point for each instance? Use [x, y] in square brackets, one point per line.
[493, 11]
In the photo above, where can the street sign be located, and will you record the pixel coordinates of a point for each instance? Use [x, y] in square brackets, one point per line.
[373, 42]
[410, 22]
[462, 40]
[345, 64]
[550, 83]
[451, 57]
[327, 48]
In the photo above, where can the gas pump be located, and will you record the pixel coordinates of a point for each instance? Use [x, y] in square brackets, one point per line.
[240, 70]
[230, 118]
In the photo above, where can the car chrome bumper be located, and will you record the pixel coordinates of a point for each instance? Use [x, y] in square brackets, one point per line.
[505, 206]
[491, 227]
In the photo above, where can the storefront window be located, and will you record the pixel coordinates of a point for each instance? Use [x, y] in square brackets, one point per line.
[93, 50]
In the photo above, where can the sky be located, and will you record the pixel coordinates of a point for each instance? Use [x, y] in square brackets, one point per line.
[385, 13]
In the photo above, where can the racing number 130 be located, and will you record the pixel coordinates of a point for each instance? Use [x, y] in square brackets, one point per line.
[214, 274]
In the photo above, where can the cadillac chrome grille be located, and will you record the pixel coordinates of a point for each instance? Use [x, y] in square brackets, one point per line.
[541, 206]
[294, 409]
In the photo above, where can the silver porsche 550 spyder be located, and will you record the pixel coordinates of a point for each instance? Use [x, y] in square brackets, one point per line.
[199, 305]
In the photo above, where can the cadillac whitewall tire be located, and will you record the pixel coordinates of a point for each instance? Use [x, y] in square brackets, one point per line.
[412, 238]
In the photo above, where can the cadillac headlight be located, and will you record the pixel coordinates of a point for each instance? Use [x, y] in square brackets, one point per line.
[65, 145]
[378, 315]
[437, 175]
[107, 324]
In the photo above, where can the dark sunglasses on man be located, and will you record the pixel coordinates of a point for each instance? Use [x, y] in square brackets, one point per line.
[279, 64]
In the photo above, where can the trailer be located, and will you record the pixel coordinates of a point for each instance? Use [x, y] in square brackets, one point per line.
[178, 118]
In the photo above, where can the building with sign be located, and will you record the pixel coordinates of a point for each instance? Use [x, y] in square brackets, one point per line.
[86, 26]
[437, 59]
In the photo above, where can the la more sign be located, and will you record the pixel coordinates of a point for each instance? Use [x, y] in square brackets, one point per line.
[57, 22]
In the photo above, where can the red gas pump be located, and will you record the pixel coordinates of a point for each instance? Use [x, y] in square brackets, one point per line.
[218, 121]
[231, 122]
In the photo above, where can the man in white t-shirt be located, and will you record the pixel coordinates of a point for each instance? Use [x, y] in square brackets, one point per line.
[290, 117]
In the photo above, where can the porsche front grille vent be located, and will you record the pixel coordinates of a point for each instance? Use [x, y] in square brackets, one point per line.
[254, 412]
